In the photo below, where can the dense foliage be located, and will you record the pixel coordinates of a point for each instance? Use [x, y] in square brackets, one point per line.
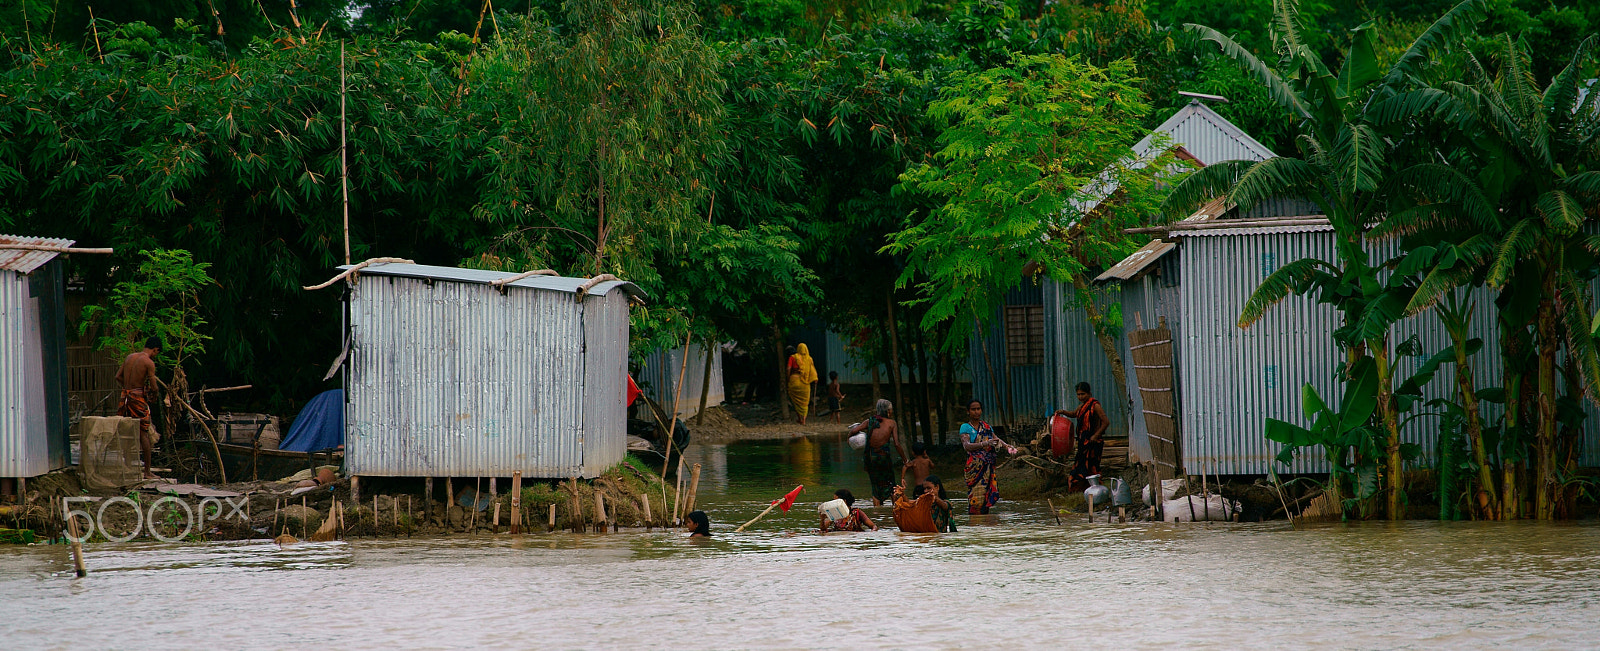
[887, 168]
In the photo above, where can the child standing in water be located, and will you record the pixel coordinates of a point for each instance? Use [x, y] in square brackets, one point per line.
[918, 467]
[835, 394]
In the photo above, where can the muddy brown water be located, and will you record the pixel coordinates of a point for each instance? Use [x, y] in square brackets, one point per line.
[1017, 580]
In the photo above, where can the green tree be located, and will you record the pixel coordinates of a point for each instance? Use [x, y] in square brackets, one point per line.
[1035, 170]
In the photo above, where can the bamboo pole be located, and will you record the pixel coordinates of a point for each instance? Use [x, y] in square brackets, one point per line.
[53, 249]
[427, 497]
[694, 489]
[599, 511]
[552, 517]
[770, 507]
[344, 169]
[677, 494]
[645, 499]
[672, 427]
[705, 382]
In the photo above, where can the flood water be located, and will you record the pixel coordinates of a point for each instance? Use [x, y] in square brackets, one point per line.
[1019, 580]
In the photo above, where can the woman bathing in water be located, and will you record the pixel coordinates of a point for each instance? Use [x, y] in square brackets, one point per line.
[856, 521]
[698, 525]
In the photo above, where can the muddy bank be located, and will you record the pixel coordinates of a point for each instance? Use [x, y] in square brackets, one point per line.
[630, 495]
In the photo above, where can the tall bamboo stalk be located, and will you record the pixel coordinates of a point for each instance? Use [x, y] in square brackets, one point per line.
[894, 357]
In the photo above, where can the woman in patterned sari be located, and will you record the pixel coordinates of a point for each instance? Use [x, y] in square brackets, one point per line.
[1091, 428]
[982, 451]
[856, 521]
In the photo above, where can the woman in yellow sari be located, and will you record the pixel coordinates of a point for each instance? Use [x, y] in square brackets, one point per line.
[802, 372]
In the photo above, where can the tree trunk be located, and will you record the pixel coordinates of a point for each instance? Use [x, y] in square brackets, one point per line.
[946, 401]
[927, 403]
[877, 388]
[705, 382]
[1544, 480]
[1487, 501]
[783, 370]
[994, 380]
[1107, 343]
[894, 359]
[1395, 509]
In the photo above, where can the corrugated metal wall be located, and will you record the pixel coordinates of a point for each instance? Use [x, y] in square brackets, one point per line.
[1233, 379]
[659, 374]
[605, 386]
[454, 379]
[1072, 355]
[26, 412]
[854, 370]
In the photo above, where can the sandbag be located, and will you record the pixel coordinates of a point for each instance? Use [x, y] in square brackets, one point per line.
[1169, 490]
[1210, 508]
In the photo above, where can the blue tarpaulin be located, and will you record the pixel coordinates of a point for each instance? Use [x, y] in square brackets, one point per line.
[319, 426]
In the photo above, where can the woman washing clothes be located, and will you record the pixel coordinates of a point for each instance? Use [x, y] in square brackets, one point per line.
[927, 512]
[802, 374]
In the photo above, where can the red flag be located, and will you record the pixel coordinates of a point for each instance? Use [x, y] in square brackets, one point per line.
[788, 500]
[633, 391]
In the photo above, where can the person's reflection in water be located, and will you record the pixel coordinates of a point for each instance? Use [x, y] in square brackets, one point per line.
[698, 525]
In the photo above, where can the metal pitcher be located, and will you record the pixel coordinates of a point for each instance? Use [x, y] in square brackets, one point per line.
[1096, 494]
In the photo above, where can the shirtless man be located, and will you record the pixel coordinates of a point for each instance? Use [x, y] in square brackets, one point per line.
[137, 375]
[880, 465]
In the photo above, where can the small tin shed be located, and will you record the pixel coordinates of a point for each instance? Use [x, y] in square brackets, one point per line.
[34, 437]
[453, 375]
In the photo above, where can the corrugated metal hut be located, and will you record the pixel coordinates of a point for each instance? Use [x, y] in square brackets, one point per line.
[660, 372]
[33, 388]
[451, 375]
[1230, 379]
[1041, 343]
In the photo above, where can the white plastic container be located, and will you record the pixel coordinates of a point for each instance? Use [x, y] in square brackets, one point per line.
[859, 440]
[835, 510]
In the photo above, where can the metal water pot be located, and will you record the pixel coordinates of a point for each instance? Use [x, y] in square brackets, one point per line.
[1121, 495]
[1096, 494]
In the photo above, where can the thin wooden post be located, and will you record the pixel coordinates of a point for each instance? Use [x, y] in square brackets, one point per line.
[705, 383]
[427, 497]
[1053, 510]
[303, 509]
[477, 494]
[577, 508]
[355, 490]
[77, 547]
[677, 494]
[645, 499]
[694, 489]
[552, 517]
[496, 516]
[516, 502]
[449, 497]
[599, 511]
[374, 515]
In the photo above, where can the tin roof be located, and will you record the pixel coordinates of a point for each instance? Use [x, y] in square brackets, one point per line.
[1201, 133]
[1135, 264]
[25, 261]
[483, 277]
